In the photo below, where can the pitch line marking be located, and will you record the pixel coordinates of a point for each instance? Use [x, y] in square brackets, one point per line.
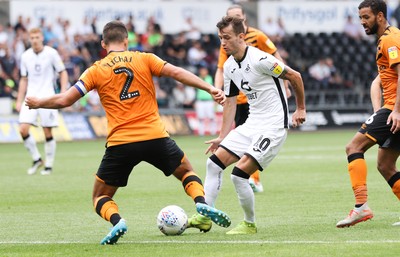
[213, 242]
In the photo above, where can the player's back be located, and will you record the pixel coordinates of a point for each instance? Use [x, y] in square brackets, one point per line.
[125, 86]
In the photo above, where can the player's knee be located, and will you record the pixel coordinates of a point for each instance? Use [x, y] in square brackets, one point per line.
[214, 160]
[386, 169]
[352, 148]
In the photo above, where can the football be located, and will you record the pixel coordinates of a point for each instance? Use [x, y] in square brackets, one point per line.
[172, 220]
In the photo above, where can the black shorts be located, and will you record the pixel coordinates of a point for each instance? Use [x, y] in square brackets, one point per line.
[377, 129]
[118, 161]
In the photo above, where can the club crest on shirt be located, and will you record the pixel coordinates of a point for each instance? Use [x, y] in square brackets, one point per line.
[247, 68]
[393, 52]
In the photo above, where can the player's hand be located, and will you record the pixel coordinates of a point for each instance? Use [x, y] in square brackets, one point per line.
[218, 95]
[394, 118]
[214, 143]
[298, 117]
[32, 102]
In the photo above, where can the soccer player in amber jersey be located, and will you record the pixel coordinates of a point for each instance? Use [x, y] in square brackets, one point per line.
[136, 133]
[258, 39]
[383, 126]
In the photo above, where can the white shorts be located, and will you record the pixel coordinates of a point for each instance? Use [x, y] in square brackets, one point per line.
[205, 109]
[48, 117]
[261, 145]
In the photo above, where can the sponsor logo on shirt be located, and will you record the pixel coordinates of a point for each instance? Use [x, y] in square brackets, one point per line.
[276, 69]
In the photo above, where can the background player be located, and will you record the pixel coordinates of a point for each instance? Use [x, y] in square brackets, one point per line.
[37, 79]
[123, 80]
[383, 126]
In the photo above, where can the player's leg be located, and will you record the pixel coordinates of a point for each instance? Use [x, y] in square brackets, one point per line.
[240, 178]
[115, 168]
[28, 117]
[263, 148]
[194, 188]
[49, 150]
[241, 115]
[49, 119]
[387, 159]
[106, 208]
[357, 169]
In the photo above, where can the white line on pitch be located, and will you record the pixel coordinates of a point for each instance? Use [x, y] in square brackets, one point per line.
[214, 242]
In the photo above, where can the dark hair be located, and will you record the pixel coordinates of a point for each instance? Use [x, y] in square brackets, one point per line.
[114, 32]
[375, 5]
[237, 24]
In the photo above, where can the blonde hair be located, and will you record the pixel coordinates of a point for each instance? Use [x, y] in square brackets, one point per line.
[35, 30]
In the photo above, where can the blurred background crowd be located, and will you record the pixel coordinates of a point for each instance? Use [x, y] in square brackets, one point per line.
[337, 68]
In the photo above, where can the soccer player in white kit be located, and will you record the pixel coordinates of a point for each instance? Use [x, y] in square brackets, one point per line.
[254, 144]
[38, 66]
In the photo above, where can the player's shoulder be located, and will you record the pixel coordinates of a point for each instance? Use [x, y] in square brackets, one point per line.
[254, 51]
[391, 34]
[251, 31]
[229, 63]
[49, 49]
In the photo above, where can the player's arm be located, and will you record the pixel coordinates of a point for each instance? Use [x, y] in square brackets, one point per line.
[228, 116]
[188, 78]
[295, 79]
[63, 81]
[219, 78]
[376, 93]
[394, 116]
[278, 56]
[22, 86]
[56, 101]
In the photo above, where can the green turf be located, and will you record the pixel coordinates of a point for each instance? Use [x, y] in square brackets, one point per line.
[307, 190]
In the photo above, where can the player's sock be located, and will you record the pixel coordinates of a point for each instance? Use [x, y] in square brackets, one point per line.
[256, 176]
[107, 209]
[245, 194]
[358, 176]
[394, 183]
[30, 144]
[213, 180]
[193, 187]
[50, 151]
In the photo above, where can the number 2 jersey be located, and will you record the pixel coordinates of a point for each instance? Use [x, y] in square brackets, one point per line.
[124, 82]
[256, 75]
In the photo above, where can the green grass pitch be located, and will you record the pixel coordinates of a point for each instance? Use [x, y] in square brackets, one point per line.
[307, 190]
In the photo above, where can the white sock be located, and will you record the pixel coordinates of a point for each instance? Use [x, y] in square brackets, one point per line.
[212, 182]
[245, 196]
[30, 144]
[50, 150]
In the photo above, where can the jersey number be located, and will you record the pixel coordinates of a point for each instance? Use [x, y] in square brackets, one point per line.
[124, 95]
[261, 144]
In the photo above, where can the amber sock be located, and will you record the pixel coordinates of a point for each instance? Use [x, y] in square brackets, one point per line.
[394, 183]
[358, 176]
[256, 176]
[107, 209]
[193, 187]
